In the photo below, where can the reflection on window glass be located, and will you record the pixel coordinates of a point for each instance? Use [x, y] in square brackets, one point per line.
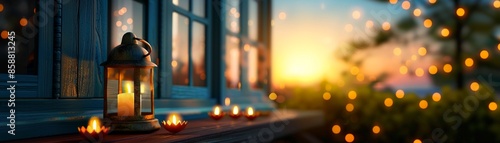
[253, 20]
[181, 3]
[20, 21]
[199, 7]
[127, 16]
[198, 54]
[180, 57]
[233, 15]
[252, 63]
[232, 72]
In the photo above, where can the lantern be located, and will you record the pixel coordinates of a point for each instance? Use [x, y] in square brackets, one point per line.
[129, 92]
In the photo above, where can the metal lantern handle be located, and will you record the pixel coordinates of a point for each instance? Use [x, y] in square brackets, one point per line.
[148, 46]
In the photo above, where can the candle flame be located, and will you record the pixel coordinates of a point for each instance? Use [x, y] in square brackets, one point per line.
[128, 87]
[174, 118]
[235, 110]
[217, 110]
[250, 111]
[94, 125]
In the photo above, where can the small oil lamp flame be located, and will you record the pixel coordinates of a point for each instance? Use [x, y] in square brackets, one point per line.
[251, 114]
[236, 112]
[94, 131]
[174, 123]
[216, 114]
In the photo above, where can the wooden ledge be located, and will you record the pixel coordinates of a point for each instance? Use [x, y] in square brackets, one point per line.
[264, 129]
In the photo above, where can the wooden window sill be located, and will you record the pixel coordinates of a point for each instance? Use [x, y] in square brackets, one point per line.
[264, 129]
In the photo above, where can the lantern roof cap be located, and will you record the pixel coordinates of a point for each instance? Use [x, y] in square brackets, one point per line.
[130, 54]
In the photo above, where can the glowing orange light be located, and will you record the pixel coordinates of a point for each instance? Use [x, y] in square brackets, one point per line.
[474, 86]
[445, 32]
[376, 129]
[130, 20]
[249, 111]
[469, 62]
[484, 54]
[496, 3]
[423, 104]
[327, 96]
[417, 12]
[349, 138]
[354, 70]
[433, 69]
[352, 95]
[227, 101]
[360, 77]
[369, 24]
[492, 106]
[460, 12]
[356, 14]
[388, 102]
[397, 51]
[4, 34]
[273, 96]
[393, 1]
[406, 5]
[174, 64]
[427, 23]
[419, 72]
[236, 110]
[400, 93]
[436, 97]
[403, 69]
[1, 7]
[386, 26]
[349, 107]
[417, 141]
[23, 21]
[447, 68]
[217, 110]
[422, 51]
[336, 129]
[119, 23]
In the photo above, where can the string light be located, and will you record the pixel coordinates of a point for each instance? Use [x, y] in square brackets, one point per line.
[445, 32]
[460, 12]
[349, 138]
[376, 129]
[417, 12]
[492, 106]
[388, 102]
[447, 68]
[406, 5]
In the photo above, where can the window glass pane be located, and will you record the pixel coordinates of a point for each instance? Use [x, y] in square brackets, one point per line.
[180, 57]
[233, 15]
[181, 3]
[127, 16]
[198, 54]
[232, 72]
[252, 63]
[253, 21]
[17, 22]
[199, 7]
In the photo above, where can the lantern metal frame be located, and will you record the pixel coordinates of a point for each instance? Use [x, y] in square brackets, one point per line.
[130, 56]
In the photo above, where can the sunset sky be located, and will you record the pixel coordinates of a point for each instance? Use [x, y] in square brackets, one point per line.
[307, 33]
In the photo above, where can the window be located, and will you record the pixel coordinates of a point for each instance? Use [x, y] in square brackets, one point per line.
[126, 16]
[189, 24]
[19, 21]
[233, 51]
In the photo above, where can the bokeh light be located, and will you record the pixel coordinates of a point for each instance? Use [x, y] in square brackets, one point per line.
[417, 12]
[356, 14]
[388, 102]
[273, 96]
[417, 141]
[354, 70]
[327, 96]
[419, 72]
[406, 5]
[349, 107]
[422, 51]
[474, 86]
[282, 16]
[23, 21]
[360, 77]
[349, 138]
[492, 106]
[336, 129]
[369, 24]
[386, 26]
[460, 12]
[423, 104]
[393, 1]
[484, 54]
[396, 51]
[447, 68]
[432, 1]
[469, 62]
[400, 94]
[403, 69]
[496, 3]
[445, 32]
[376, 129]
[427, 23]
[436, 97]
[348, 27]
[433, 69]
[4, 34]
[1, 7]
[352, 95]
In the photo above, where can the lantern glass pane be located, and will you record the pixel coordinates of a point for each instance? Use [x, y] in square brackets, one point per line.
[121, 90]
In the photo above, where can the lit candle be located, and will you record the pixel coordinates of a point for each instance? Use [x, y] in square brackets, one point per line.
[174, 123]
[235, 114]
[94, 131]
[126, 102]
[251, 114]
[216, 114]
